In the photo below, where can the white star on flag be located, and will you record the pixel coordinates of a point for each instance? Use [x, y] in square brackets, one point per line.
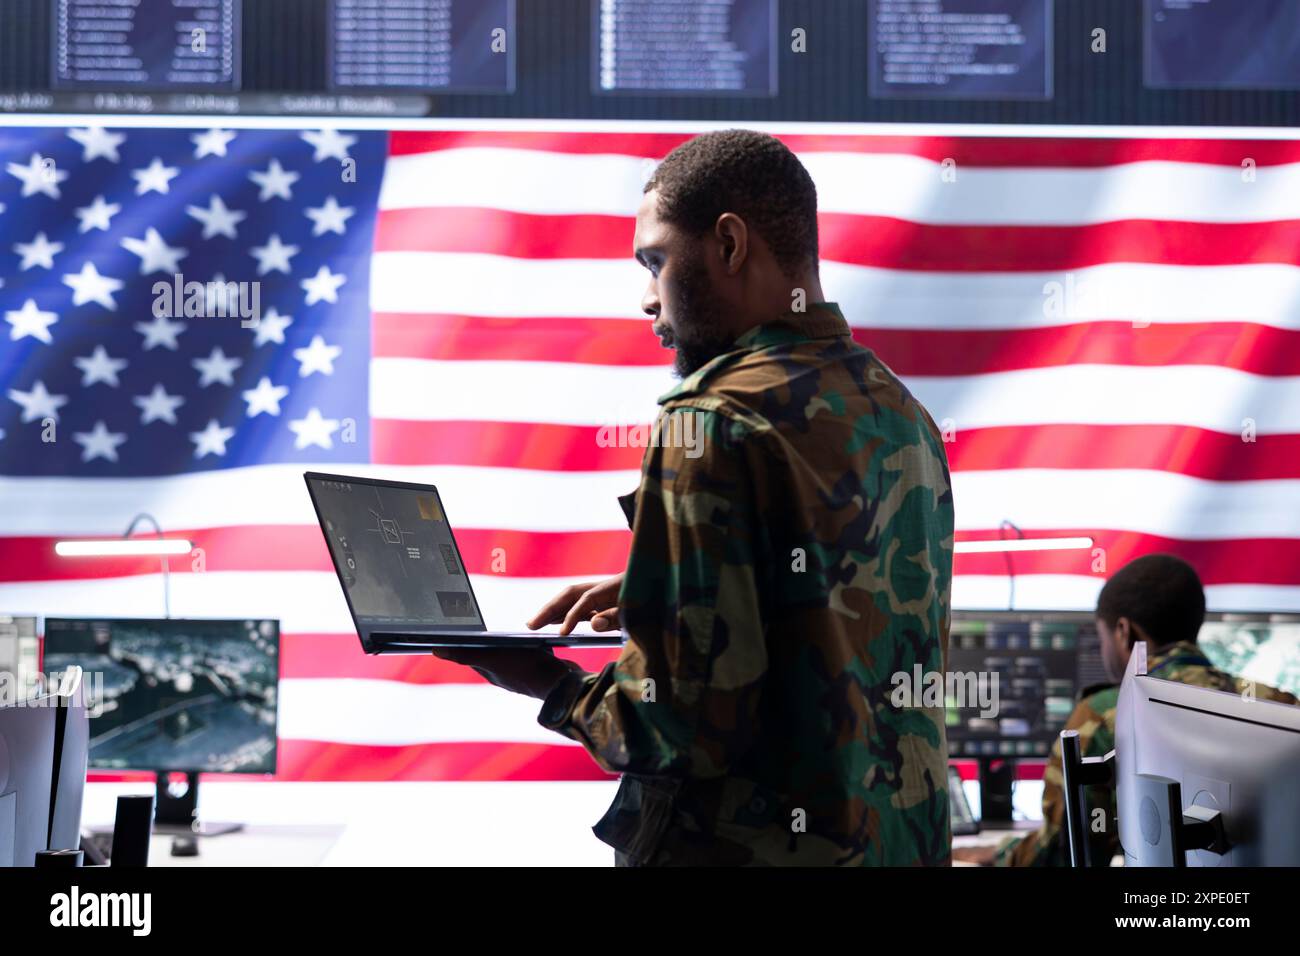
[158, 406]
[270, 327]
[97, 214]
[265, 398]
[38, 403]
[89, 286]
[155, 255]
[217, 219]
[99, 443]
[154, 178]
[96, 142]
[40, 175]
[274, 182]
[99, 367]
[316, 357]
[313, 430]
[212, 440]
[211, 143]
[330, 217]
[217, 367]
[29, 320]
[323, 286]
[161, 331]
[39, 252]
[274, 255]
[329, 144]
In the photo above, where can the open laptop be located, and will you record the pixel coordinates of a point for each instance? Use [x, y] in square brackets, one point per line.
[401, 571]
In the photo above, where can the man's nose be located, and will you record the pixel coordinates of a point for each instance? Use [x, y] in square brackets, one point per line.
[650, 302]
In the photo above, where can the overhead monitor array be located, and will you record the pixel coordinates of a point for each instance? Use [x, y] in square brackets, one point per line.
[773, 59]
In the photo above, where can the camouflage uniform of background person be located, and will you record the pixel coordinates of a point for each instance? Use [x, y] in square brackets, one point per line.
[782, 569]
[1159, 599]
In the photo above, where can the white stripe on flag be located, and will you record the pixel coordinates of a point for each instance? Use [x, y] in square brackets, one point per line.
[311, 602]
[1200, 396]
[504, 286]
[524, 499]
[1161, 503]
[896, 185]
[552, 392]
[392, 713]
[305, 602]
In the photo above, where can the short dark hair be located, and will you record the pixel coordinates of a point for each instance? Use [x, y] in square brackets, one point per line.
[747, 173]
[1161, 593]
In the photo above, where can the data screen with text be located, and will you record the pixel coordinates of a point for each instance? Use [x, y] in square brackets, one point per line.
[396, 555]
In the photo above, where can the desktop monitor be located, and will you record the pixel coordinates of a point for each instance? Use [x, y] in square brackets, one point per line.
[1042, 660]
[175, 695]
[26, 766]
[1013, 680]
[1192, 758]
[43, 742]
[1256, 647]
[18, 658]
[71, 759]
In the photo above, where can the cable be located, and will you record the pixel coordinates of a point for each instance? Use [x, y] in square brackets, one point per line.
[1011, 573]
[166, 571]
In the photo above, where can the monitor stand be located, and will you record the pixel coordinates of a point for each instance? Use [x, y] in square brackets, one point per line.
[176, 809]
[997, 774]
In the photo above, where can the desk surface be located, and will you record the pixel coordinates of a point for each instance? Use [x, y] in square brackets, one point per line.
[385, 824]
[252, 846]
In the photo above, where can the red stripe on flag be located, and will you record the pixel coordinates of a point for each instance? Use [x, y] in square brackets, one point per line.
[1195, 452]
[499, 444]
[1245, 346]
[321, 760]
[482, 338]
[323, 656]
[582, 553]
[880, 242]
[506, 552]
[1240, 561]
[981, 151]
[504, 233]
[888, 243]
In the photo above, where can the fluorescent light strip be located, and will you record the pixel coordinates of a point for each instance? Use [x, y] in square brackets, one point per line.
[1022, 544]
[121, 546]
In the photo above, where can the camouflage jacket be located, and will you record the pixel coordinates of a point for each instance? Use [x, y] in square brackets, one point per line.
[787, 561]
[1094, 719]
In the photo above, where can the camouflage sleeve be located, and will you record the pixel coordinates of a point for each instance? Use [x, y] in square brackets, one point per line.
[682, 698]
[1046, 845]
[1253, 689]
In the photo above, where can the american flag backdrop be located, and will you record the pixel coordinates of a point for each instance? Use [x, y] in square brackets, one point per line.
[1107, 329]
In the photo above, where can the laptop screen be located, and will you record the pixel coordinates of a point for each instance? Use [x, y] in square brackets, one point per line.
[396, 555]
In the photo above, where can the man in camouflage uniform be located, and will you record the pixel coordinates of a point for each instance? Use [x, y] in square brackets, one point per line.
[1158, 599]
[791, 557]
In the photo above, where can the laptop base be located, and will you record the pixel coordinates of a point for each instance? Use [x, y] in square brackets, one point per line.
[424, 643]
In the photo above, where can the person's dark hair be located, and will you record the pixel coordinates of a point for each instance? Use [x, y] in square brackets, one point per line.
[1160, 592]
[747, 173]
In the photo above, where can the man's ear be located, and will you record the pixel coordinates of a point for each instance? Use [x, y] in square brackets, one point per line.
[1125, 636]
[733, 239]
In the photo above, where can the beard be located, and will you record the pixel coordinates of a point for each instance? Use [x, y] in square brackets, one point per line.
[698, 335]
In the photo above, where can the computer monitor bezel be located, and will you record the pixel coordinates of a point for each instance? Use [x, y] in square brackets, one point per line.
[1136, 755]
[364, 631]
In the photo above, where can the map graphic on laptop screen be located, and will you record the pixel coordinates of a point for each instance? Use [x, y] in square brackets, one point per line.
[396, 555]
